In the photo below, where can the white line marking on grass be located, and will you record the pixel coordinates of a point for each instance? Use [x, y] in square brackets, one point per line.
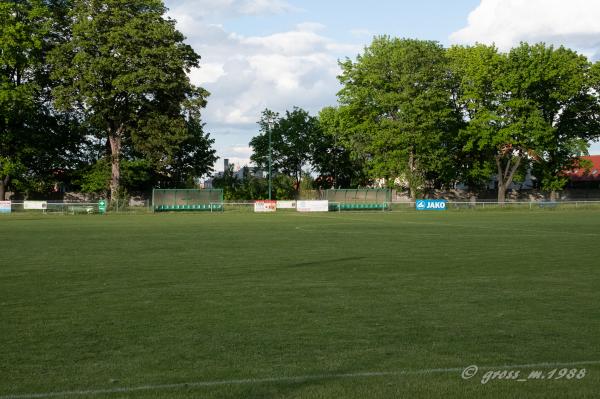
[304, 378]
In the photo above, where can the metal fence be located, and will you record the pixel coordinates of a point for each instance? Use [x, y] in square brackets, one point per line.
[81, 208]
[508, 205]
[358, 196]
[65, 208]
[174, 198]
[90, 208]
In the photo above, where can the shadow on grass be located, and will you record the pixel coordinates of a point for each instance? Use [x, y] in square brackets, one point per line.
[322, 262]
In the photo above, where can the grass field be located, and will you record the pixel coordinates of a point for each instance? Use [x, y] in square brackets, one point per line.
[350, 305]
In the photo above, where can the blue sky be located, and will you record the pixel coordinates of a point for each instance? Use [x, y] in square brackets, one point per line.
[278, 54]
[428, 19]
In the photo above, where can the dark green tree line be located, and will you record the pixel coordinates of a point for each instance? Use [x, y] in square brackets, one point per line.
[37, 143]
[402, 120]
[303, 145]
[88, 85]
[291, 138]
[124, 70]
[428, 116]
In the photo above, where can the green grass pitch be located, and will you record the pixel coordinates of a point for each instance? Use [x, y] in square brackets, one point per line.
[350, 305]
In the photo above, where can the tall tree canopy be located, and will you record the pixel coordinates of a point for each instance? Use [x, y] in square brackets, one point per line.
[292, 137]
[559, 83]
[404, 121]
[124, 70]
[531, 108]
[36, 142]
[336, 165]
[502, 129]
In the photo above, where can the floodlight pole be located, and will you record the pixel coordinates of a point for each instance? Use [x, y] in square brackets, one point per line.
[270, 162]
[335, 159]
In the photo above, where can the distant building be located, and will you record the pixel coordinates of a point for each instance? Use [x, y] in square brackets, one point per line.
[582, 177]
[238, 172]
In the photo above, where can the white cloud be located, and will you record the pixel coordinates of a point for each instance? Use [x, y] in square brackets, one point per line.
[242, 150]
[239, 156]
[209, 73]
[247, 73]
[573, 23]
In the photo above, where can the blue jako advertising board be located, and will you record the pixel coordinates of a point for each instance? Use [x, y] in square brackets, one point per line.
[431, 205]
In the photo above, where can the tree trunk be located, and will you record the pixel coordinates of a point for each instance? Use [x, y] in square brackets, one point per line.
[3, 186]
[505, 176]
[115, 152]
[411, 180]
[553, 195]
[501, 193]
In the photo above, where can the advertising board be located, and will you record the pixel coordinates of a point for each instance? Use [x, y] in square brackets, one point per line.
[5, 206]
[35, 205]
[265, 206]
[431, 205]
[312, 206]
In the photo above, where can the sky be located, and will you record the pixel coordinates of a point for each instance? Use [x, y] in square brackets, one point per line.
[278, 54]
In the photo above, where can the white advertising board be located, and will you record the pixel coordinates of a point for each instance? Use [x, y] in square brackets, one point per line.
[5, 207]
[36, 205]
[312, 206]
[265, 206]
[286, 204]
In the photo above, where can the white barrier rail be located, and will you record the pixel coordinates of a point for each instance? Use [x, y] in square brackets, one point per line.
[248, 206]
[57, 207]
[507, 204]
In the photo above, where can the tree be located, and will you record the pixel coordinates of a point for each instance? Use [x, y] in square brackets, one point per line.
[532, 107]
[499, 132]
[21, 36]
[136, 176]
[9, 168]
[291, 138]
[404, 122]
[229, 183]
[474, 74]
[252, 186]
[194, 157]
[125, 71]
[559, 83]
[36, 142]
[330, 156]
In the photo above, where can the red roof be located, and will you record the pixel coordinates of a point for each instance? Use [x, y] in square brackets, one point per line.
[585, 174]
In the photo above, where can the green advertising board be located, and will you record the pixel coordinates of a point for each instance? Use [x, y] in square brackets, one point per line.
[102, 207]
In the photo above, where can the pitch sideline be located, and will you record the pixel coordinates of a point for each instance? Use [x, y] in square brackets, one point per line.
[293, 379]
